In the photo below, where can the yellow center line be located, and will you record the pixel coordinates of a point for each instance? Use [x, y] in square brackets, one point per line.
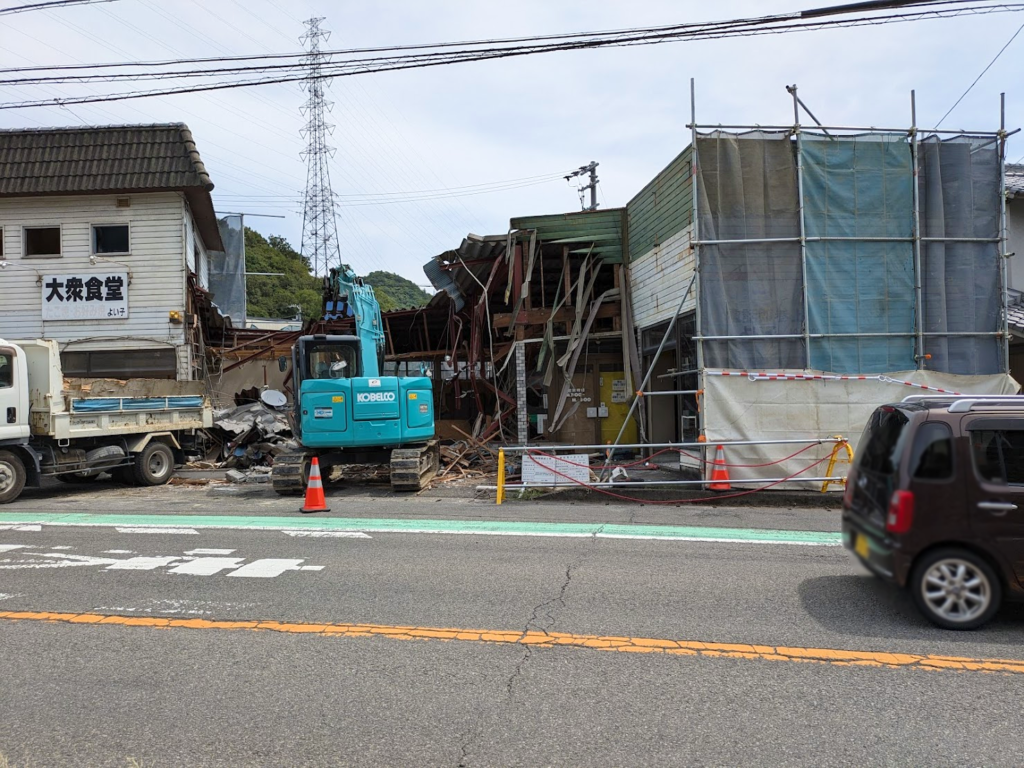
[550, 640]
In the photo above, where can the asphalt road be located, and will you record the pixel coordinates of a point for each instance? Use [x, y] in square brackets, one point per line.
[122, 646]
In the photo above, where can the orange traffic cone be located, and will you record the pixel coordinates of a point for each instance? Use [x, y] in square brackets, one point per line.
[719, 474]
[315, 501]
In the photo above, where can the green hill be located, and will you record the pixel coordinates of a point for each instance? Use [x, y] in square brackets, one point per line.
[280, 295]
[395, 292]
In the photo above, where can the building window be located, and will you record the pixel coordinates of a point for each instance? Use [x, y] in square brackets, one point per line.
[122, 364]
[42, 242]
[111, 238]
[1, 243]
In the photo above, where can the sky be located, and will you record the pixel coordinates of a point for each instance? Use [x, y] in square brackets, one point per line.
[451, 134]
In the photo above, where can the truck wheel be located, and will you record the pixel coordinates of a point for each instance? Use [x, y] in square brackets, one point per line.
[12, 476]
[154, 465]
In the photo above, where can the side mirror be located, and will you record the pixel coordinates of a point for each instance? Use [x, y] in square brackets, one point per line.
[282, 363]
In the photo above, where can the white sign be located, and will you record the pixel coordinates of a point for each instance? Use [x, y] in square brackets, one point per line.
[99, 296]
[556, 470]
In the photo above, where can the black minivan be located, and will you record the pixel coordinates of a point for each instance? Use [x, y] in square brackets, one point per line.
[935, 503]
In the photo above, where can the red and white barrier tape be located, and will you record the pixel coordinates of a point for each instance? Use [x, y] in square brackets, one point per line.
[765, 376]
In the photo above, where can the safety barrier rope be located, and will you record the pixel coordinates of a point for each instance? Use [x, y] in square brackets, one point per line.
[537, 452]
[717, 497]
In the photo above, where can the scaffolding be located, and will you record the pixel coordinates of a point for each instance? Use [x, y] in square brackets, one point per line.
[925, 269]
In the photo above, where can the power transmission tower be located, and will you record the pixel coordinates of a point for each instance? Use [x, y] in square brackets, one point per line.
[591, 171]
[319, 223]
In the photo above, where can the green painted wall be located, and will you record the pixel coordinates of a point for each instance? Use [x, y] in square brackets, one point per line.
[662, 208]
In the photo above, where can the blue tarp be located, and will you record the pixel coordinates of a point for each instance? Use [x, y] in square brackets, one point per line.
[860, 187]
[108, 404]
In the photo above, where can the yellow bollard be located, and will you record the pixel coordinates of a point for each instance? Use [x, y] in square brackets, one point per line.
[501, 476]
[834, 459]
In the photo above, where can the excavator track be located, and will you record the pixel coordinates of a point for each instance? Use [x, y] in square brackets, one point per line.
[413, 468]
[289, 472]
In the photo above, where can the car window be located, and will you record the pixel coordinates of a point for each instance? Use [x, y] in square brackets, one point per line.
[999, 455]
[880, 447]
[932, 455]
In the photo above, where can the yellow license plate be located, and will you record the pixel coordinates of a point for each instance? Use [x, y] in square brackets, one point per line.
[860, 546]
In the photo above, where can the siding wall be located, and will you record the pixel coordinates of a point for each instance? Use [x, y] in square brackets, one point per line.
[660, 254]
[659, 278]
[156, 267]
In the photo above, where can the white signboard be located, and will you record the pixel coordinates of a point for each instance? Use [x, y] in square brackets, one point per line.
[561, 470]
[99, 296]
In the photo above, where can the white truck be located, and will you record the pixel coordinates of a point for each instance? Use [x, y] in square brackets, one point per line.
[76, 429]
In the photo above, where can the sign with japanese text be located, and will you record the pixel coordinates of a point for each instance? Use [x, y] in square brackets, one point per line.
[100, 296]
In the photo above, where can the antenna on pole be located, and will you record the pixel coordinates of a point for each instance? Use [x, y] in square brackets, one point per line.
[319, 223]
[591, 171]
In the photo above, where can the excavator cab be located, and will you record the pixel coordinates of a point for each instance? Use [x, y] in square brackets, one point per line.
[346, 414]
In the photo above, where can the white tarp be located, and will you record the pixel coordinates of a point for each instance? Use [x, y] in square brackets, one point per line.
[743, 407]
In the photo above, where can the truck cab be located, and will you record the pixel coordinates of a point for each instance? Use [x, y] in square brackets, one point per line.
[13, 394]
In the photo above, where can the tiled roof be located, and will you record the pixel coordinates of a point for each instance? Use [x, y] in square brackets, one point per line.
[117, 158]
[1014, 179]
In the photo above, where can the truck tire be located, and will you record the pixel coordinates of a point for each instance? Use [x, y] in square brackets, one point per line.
[154, 465]
[12, 476]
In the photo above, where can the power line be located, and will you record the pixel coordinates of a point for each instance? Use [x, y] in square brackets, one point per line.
[440, 54]
[50, 4]
[986, 69]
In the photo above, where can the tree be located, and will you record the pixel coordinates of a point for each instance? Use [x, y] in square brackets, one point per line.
[396, 291]
[284, 295]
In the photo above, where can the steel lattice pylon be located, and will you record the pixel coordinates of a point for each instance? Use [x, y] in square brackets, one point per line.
[319, 224]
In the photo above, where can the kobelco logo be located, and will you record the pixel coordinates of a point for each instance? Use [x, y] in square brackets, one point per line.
[375, 397]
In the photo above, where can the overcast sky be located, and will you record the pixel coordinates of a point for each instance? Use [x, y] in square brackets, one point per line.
[475, 124]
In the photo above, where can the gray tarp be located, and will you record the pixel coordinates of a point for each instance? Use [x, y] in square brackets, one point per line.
[227, 270]
[747, 190]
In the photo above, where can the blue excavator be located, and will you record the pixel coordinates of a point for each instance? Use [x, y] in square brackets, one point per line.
[346, 412]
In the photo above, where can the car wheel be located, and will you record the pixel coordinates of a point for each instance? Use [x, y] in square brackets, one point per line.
[955, 589]
[12, 476]
[154, 465]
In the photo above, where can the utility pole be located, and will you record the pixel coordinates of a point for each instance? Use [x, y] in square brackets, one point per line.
[591, 170]
[319, 221]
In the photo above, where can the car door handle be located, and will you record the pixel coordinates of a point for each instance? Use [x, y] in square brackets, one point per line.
[997, 507]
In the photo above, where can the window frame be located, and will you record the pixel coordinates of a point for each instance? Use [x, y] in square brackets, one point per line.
[24, 241]
[92, 238]
[1, 243]
[998, 426]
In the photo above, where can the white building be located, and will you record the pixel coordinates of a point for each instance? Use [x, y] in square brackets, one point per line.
[102, 231]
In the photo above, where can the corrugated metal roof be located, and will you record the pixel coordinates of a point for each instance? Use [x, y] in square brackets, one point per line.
[117, 158]
[599, 232]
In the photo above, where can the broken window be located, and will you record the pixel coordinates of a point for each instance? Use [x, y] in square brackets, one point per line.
[111, 238]
[42, 242]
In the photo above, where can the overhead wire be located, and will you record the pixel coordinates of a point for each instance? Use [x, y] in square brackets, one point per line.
[986, 69]
[12, 9]
[775, 25]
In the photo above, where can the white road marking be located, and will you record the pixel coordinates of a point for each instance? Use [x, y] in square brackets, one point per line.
[179, 607]
[10, 547]
[197, 552]
[329, 534]
[17, 527]
[4, 596]
[141, 563]
[64, 548]
[155, 529]
[207, 566]
[266, 569]
[312, 568]
[119, 552]
[54, 560]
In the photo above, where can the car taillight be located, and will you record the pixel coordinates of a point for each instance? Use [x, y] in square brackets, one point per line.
[901, 512]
